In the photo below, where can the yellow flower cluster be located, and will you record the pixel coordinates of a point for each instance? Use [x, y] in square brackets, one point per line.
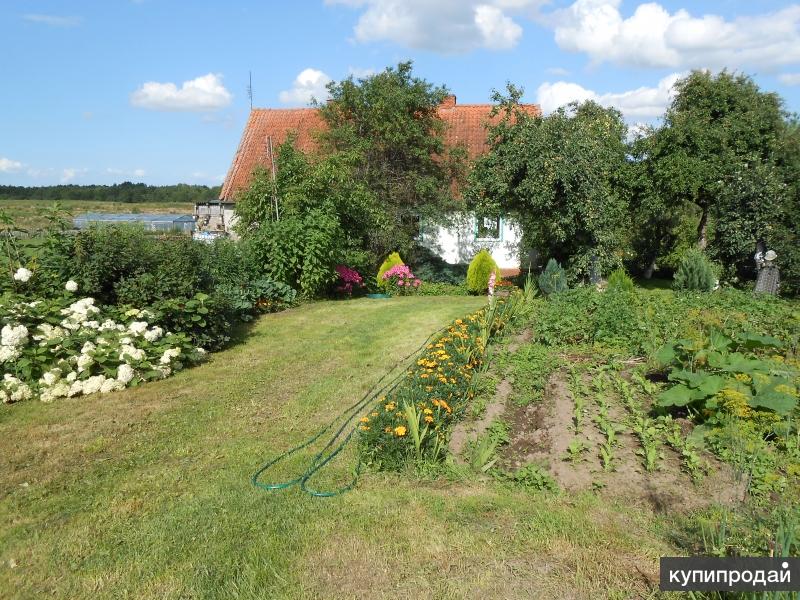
[436, 384]
[735, 402]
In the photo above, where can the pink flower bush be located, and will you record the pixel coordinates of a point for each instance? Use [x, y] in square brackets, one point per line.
[492, 280]
[401, 280]
[348, 279]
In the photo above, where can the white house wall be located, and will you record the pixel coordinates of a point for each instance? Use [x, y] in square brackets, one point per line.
[458, 243]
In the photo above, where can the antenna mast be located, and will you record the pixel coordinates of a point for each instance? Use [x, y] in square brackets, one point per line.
[250, 89]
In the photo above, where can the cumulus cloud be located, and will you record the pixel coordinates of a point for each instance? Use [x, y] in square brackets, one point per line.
[654, 37]
[445, 26]
[9, 166]
[53, 20]
[640, 103]
[308, 85]
[201, 94]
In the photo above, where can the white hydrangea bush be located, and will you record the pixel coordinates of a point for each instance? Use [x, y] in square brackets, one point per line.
[62, 348]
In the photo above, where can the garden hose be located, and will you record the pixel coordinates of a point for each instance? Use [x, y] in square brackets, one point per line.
[331, 448]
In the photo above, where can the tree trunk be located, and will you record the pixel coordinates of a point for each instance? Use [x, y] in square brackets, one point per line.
[702, 230]
[648, 272]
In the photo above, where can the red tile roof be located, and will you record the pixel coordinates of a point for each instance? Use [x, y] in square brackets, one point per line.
[465, 125]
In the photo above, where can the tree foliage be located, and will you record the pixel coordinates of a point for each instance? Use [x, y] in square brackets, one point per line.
[119, 192]
[728, 151]
[721, 136]
[562, 176]
[380, 167]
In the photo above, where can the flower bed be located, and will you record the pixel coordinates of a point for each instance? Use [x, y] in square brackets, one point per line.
[400, 280]
[413, 421]
[63, 347]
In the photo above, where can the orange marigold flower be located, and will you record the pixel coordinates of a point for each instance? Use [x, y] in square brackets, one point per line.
[364, 419]
[428, 419]
[400, 431]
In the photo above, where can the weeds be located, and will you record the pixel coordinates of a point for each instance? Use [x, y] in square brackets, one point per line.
[576, 450]
[532, 477]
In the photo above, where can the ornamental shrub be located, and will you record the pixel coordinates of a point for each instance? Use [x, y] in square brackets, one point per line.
[695, 273]
[299, 250]
[348, 279]
[479, 272]
[68, 346]
[553, 279]
[400, 281]
[391, 261]
[620, 281]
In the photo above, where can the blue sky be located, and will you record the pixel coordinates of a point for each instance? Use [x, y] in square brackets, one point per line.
[106, 91]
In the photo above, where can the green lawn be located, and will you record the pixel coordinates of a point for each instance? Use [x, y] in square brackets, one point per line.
[146, 493]
[27, 213]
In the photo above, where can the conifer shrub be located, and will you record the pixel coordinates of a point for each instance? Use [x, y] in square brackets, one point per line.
[479, 272]
[553, 279]
[620, 281]
[695, 273]
[391, 261]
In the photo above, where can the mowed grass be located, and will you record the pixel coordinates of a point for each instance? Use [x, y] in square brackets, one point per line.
[27, 214]
[146, 493]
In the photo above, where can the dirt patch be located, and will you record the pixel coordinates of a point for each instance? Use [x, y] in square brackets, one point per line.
[466, 431]
[542, 434]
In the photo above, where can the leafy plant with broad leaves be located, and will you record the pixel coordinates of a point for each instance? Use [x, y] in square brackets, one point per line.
[720, 369]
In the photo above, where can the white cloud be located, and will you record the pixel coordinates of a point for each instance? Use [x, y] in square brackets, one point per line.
[654, 37]
[308, 85]
[789, 78]
[445, 26]
[139, 172]
[53, 20]
[641, 103]
[9, 166]
[558, 71]
[498, 31]
[360, 73]
[67, 175]
[200, 94]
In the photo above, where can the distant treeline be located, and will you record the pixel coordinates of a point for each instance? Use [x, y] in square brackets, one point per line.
[119, 192]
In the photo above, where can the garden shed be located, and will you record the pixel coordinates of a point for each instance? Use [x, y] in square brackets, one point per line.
[149, 221]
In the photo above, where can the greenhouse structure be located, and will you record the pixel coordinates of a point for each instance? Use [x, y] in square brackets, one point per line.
[151, 222]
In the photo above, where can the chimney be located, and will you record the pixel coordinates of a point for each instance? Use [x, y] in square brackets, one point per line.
[448, 102]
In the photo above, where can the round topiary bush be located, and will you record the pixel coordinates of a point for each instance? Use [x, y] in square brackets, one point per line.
[391, 261]
[695, 273]
[479, 271]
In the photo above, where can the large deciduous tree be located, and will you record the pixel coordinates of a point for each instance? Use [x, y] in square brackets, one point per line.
[562, 176]
[381, 168]
[720, 149]
[387, 131]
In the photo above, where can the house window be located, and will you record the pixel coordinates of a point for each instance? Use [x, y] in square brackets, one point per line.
[487, 227]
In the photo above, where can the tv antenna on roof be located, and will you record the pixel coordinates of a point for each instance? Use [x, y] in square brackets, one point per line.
[250, 89]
